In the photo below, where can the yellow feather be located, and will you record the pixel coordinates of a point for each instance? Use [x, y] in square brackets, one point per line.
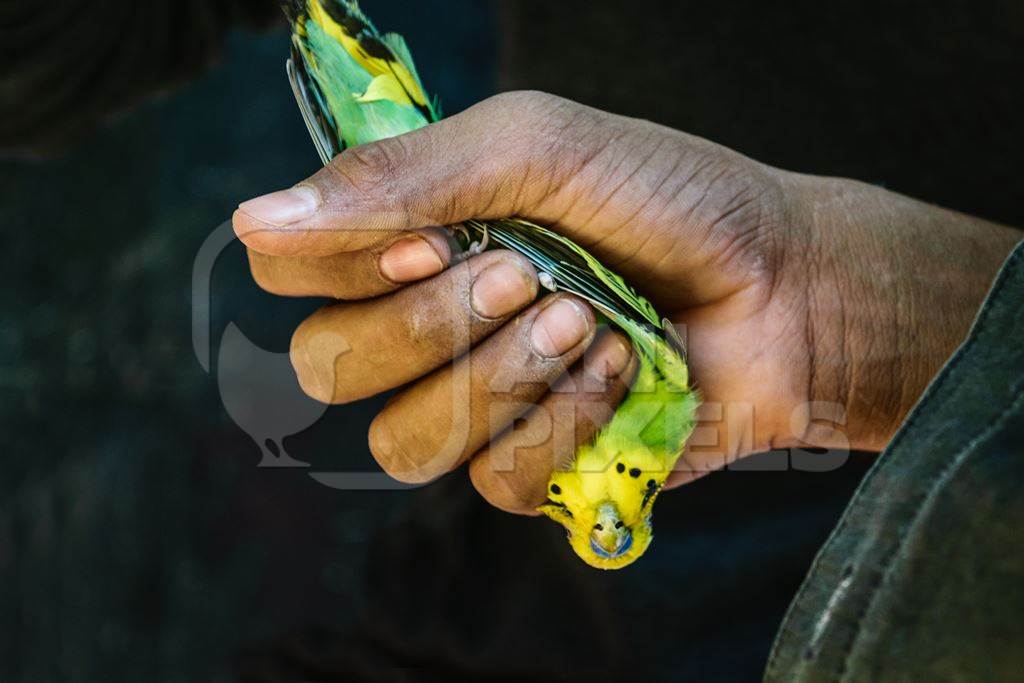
[375, 66]
[385, 87]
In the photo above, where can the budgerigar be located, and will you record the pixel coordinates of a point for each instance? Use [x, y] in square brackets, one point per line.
[355, 85]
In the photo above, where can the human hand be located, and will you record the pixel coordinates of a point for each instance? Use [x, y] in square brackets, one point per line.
[795, 291]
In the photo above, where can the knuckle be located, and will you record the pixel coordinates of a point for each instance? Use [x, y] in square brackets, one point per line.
[531, 112]
[261, 267]
[569, 138]
[527, 115]
[545, 138]
[392, 452]
[503, 492]
[367, 166]
[315, 380]
[741, 208]
[532, 102]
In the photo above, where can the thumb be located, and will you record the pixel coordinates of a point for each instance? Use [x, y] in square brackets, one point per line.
[502, 157]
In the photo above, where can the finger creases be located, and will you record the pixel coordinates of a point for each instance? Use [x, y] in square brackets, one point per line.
[513, 471]
[315, 238]
[352, 350]
[436, 424]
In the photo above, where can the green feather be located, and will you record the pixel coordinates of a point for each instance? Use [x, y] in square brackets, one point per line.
[338, 82]
[401, 50]
[342, 81]
[343, 105]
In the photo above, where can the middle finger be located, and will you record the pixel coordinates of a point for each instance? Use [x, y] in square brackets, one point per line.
[352, 350]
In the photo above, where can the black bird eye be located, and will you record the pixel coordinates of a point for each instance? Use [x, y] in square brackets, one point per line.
[618, 524]
[635, 472]
[599, 527]
[556, 489]
[620, 468]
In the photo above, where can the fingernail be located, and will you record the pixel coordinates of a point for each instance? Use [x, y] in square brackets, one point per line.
[612, 359]
[500, 289]
[558, 328]
[408, 259]
[283, 207]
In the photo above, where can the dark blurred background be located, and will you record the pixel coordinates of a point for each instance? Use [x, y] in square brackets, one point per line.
[139, 539]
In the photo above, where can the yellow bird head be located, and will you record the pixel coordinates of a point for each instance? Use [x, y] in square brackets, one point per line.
[606, 512]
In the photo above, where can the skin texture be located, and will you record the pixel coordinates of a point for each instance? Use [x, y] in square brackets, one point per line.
[816, 309]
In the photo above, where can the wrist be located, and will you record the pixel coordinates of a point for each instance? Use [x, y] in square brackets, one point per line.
[892, 286]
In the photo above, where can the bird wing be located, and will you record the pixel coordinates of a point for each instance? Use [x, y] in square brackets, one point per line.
[352, 84]
[577, 271]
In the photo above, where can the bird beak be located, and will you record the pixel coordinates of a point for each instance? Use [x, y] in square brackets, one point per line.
[610, 537]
